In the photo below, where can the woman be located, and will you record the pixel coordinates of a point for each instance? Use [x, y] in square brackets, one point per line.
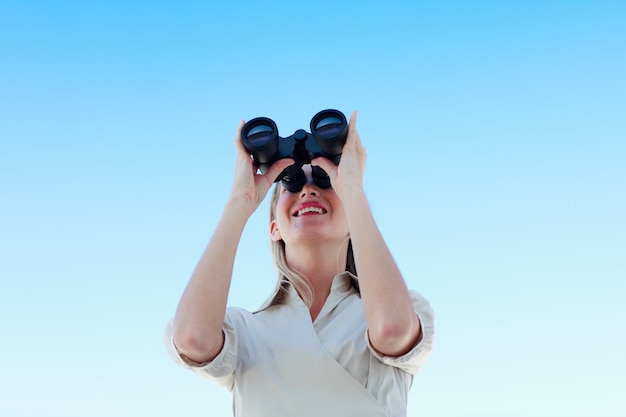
[326, 343]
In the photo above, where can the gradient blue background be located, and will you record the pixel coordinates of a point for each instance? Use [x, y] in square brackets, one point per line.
[497, 172]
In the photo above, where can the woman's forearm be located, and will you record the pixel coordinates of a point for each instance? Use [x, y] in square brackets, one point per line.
[200, 314]
[392, 322]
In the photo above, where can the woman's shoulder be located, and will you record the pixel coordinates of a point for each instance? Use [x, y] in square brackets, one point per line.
[235, 312]
[240, 314]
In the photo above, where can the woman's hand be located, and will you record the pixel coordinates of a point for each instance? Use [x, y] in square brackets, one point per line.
[249, 185]
[351, 169]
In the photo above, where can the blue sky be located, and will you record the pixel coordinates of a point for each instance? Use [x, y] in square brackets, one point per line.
[496, 139]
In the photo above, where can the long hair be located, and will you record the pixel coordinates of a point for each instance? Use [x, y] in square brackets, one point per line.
[286, 275]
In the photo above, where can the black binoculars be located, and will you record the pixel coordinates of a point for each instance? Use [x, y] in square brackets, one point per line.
[329, 129]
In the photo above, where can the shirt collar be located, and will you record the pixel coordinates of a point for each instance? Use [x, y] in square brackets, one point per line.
[342, 282]
[342, 285]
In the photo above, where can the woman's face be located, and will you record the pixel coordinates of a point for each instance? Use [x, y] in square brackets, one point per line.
[313, 214]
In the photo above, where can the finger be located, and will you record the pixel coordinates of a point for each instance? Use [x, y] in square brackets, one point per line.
[238, 143]
[327, 165]
[353, 119]
[353, 133]
[277, 167]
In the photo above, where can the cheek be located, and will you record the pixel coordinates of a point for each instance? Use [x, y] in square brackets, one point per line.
[344, 222]
[282, 208]
[281, 212]
[338, 207]
[343, 217]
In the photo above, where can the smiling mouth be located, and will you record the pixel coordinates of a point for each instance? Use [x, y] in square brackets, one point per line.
[309, 211]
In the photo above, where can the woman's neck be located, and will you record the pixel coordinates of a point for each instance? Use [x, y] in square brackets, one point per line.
[319, 263]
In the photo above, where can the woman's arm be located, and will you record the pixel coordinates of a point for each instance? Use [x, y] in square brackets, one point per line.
[198, 321]
[394, 327]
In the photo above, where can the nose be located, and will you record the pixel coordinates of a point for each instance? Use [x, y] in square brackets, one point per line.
[309, 189]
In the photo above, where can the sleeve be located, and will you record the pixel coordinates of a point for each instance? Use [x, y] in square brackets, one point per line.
[413, 360]
[221, 369]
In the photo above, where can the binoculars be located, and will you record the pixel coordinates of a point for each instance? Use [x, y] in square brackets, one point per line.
[329, 129]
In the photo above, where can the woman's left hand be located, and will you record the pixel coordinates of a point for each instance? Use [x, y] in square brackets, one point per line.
[351, 169]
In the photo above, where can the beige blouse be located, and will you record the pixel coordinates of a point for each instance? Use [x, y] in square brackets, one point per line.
[277, 363]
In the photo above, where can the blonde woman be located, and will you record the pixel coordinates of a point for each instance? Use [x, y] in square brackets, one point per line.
[342, 335]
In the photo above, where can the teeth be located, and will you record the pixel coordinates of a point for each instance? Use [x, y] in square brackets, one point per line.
[310, 209]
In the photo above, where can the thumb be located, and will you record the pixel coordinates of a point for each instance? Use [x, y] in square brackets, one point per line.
[278, 167]
[327, 165]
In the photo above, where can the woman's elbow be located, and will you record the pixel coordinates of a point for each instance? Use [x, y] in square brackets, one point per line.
[395, 338]
[197, 347]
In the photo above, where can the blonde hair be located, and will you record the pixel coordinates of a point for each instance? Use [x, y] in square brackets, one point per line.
[287, 276]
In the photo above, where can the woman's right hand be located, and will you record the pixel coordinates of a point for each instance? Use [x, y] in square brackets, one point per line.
[250, 187]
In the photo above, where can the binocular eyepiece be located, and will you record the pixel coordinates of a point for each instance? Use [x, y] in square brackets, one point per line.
[329, 129]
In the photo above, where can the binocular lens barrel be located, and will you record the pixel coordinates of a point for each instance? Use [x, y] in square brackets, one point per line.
[260, 138]
[259, 135]
[328, 127]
